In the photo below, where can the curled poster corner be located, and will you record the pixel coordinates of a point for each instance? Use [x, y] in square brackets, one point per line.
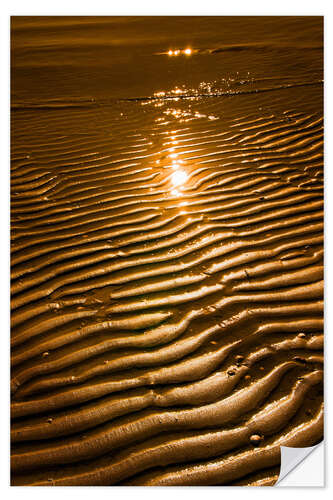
[292, 457]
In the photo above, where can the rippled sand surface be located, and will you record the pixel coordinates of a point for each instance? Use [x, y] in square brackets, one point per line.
[167, 232]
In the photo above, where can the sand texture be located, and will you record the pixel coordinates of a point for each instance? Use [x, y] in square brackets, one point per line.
[167, 248]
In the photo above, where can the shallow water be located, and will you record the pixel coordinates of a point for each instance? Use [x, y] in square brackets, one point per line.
[166, 248]
[120, 57]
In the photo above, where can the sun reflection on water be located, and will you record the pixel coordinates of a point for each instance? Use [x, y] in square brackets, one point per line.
[179, 177]
[175, 192]
[187, 52]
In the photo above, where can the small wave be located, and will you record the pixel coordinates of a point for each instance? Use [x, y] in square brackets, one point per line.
[91, 102]
[55, 103]
[264, 47]
[223, 93]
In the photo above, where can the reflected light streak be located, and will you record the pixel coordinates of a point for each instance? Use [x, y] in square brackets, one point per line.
[179, 178]
[176, 52]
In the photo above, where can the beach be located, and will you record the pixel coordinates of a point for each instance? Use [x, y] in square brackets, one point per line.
[167, 248]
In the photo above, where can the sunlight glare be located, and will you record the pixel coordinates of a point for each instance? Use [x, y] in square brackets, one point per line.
[179, 178]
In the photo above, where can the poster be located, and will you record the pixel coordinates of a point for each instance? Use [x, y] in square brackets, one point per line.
[166, 249]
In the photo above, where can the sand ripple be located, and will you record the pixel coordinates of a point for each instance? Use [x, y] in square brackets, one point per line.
[167, 291]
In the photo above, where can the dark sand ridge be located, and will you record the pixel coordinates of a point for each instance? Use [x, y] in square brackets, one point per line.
[167, 252]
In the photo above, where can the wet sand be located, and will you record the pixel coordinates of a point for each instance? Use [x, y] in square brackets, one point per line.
[167, 260]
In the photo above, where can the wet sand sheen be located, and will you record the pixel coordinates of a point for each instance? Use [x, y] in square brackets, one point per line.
[167, 271]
